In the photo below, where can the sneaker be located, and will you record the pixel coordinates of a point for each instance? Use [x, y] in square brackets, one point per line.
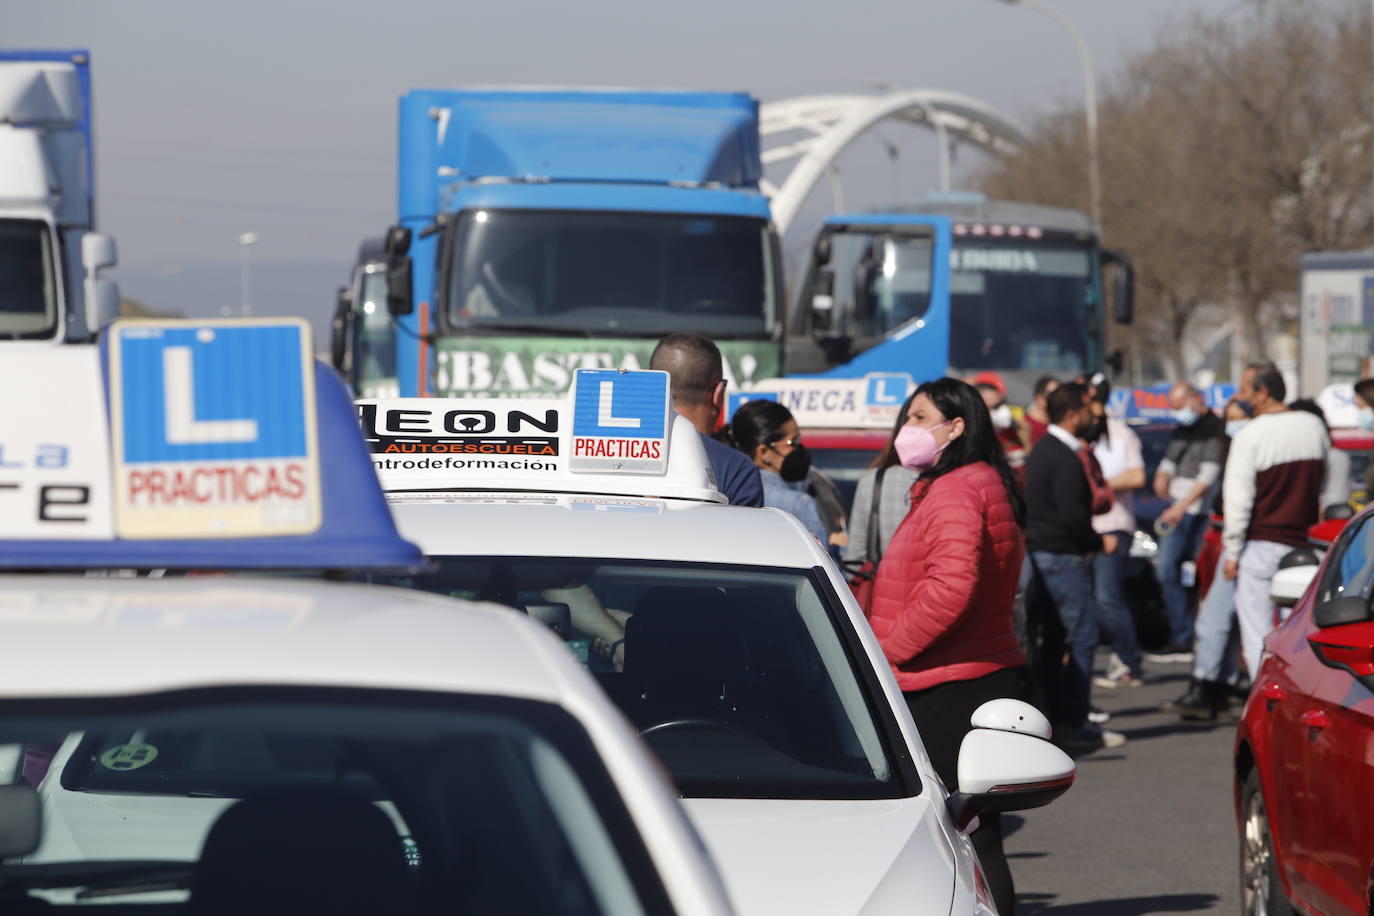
[1171, 653]
[1098, 716]
[1124, 679]
[1116, 667]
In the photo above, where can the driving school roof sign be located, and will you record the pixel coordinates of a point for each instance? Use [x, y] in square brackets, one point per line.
[214, 429]
[620, 422]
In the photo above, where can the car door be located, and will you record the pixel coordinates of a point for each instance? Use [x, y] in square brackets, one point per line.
[1333, 731]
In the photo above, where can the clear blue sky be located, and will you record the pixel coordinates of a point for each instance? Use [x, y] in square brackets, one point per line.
[279, 117]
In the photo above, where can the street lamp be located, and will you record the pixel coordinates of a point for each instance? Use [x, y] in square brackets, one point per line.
[246, 240]
[1089, 100]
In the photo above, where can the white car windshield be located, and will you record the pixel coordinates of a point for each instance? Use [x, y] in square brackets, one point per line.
[742, 679]
[345, 801]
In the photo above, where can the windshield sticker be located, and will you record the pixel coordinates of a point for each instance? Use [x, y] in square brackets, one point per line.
[132, 756]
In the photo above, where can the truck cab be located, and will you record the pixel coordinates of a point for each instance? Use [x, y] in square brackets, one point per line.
[51, 260]
[543, 231]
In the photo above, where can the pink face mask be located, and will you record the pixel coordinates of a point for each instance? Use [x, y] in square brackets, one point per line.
[916, 446]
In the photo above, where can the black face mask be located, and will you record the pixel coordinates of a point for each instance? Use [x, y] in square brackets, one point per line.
[1090, 431]
[795, 464]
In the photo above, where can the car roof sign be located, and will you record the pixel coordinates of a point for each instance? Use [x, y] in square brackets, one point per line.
[615, 434]
[213, 427]
[872, 401]
[620, 421]
[354, 529]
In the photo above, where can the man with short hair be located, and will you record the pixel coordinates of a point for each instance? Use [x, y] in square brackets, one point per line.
[1037, 415]
[694, 365]
[1273, 483]
[1061, 541]
[1190, 470]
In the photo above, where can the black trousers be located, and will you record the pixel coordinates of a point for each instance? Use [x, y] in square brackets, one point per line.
[942, 717]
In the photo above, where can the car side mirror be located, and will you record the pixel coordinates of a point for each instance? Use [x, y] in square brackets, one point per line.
[398, 271]
[1340, 612]
[1007, 763]
[1348, 648]
[1289, 585]
[823, 301]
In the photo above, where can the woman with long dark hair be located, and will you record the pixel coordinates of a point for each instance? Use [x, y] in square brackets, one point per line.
[768, 434]
[870, 530]
[942, 600]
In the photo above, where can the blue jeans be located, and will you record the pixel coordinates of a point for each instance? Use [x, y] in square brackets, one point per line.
[1069, 580]
[1179, 545]
[1116, 622]
[1217, 654]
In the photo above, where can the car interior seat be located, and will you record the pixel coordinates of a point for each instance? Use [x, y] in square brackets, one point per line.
[302, 849]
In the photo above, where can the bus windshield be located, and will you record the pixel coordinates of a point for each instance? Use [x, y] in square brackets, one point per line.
[376, 348]
[610, 274]
[28, 283]
[1019, 305]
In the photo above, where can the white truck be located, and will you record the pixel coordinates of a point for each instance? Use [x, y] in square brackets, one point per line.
[51, 258]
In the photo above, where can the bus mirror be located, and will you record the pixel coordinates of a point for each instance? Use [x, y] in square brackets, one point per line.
[398, 268]
[823, 300]
[823, 251]
[1123, 288]
[340, 330]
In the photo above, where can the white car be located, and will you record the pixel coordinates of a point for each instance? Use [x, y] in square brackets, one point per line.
[238, 742]
[731, 641]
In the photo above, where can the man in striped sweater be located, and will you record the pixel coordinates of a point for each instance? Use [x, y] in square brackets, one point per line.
[1270, 493]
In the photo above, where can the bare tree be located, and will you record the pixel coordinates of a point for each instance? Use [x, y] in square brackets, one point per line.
[1228, 149]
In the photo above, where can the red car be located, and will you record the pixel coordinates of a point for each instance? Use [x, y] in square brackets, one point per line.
[1304, 753]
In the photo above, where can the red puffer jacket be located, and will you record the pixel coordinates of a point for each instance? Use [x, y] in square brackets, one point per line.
[942, 600]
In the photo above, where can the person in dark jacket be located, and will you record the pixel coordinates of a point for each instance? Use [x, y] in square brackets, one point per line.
[694, 365]
[1062, 541]
[942, 600]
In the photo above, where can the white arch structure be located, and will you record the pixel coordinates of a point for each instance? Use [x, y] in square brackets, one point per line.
[816, 129]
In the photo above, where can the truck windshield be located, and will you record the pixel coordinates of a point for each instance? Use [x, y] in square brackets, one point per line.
[611, 274]
[1018, 304]
[28, 283]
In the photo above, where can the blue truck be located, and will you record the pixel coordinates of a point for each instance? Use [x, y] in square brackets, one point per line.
[543, 231]
[51, 257]
[958, 283]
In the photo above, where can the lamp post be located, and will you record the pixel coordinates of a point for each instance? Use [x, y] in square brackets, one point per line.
[1089, 100]
[246, 240]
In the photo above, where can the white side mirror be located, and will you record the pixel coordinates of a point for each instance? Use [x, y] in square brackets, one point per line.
[1007, 763]
[97, 252]
[101, 295]
[1289, 585]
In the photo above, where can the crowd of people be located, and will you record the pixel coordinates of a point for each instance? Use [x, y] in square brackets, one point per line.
[988, 547]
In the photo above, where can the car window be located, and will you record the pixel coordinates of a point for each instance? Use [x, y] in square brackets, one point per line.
[1351, 569]
[483, 804]
[739, 678]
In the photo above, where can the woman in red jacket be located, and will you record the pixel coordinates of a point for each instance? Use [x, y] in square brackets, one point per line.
[942, 600]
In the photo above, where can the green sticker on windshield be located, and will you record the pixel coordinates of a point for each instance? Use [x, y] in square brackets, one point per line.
[128, 757]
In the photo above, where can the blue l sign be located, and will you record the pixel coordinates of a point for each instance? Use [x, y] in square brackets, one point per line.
[212, 393]
[621, 405]
[887, 389]
[214, 428]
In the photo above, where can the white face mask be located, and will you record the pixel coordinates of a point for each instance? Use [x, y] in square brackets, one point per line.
[1002, 417]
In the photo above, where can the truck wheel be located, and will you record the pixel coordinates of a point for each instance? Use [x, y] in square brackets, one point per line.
[1261, 889]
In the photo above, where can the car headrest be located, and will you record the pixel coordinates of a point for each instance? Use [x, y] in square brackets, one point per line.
[302, 849]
